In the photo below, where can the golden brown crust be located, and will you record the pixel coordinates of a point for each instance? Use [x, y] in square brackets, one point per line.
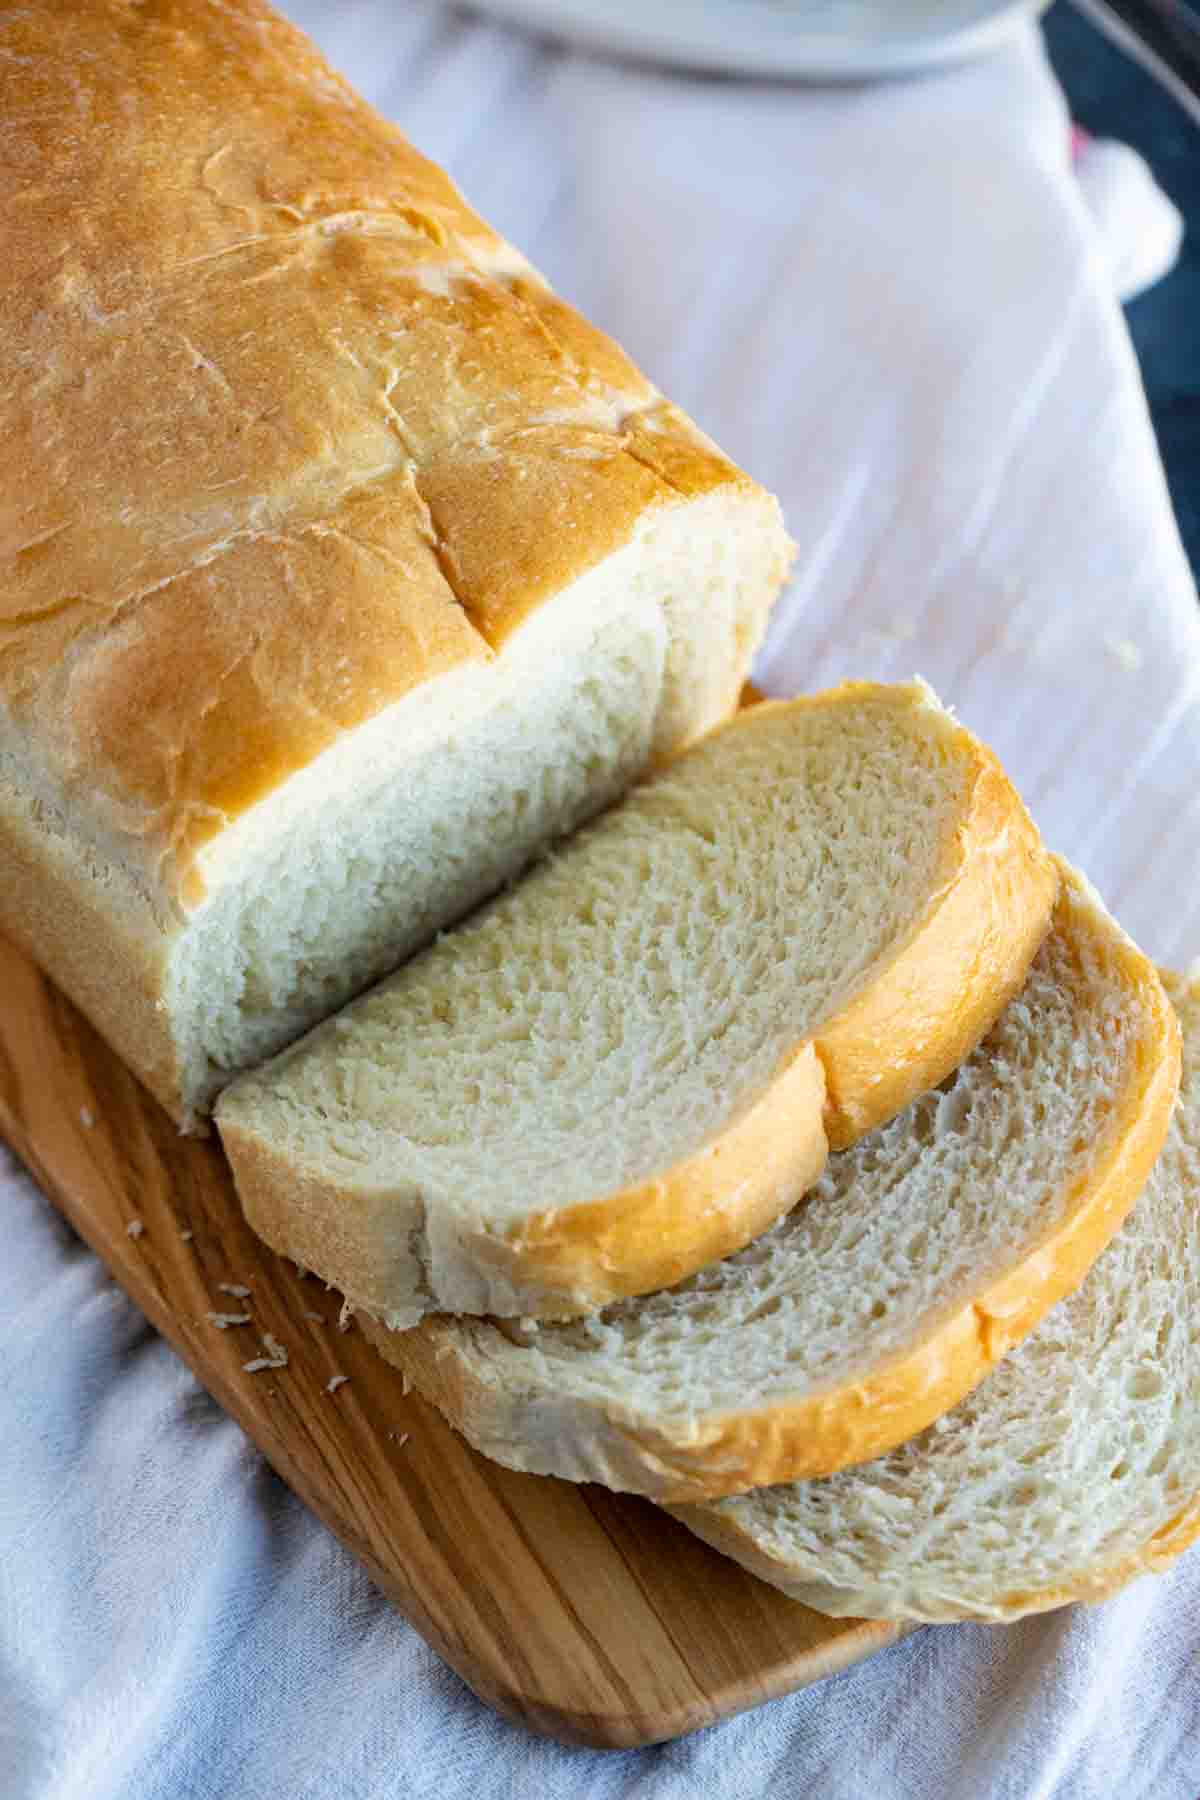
[517, 521]
[240, 312]
[948, 984]
[706, 1207]
[945, 985]
[264, 685]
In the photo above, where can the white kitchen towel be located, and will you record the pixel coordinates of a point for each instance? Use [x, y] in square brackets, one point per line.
[1141, 228]
[893, 304]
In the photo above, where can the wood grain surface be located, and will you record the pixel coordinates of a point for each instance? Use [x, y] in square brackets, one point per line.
[588, 1616]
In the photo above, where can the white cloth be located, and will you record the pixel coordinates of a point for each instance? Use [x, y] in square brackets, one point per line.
[1141, 228]
[894, 306]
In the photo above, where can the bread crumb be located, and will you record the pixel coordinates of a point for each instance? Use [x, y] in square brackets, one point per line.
[317, 1318]
[1124, 653]
[186, 1236]
[232, 1287]
[399, 1439]
[345, 1316]
[134, 1229]
[276, 1357]
[223, 1321]
[87, 1117]
[335, 1382]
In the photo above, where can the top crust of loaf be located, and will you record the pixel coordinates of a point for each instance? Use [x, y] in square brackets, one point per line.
[364, 1215]
[335, 438]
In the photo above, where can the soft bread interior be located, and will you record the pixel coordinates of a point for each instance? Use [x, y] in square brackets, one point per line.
[612, 1011]
[1075, 1465]
[769, 1363]
[405, 824]
[899, 1230]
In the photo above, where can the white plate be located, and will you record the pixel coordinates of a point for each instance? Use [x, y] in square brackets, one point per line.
[821, 39]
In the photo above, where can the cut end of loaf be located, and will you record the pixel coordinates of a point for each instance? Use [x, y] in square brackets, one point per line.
[407, 822]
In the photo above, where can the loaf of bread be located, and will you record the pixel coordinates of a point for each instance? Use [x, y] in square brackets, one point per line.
[922, 1256]
[631, 1063]
[343, 565]
[346, 571]
[1072, 1469]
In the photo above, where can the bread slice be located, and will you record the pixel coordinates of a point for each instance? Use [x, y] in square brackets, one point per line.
[1072, 1469]
[344, 565]
[630, 1065]
[921, 1257]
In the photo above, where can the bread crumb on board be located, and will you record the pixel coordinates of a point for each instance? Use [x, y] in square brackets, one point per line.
[224, 1321]
[87, 1117]
[235, 1288]
[186, 1237]
[134, 1229]
[346, 1316]
[399, 1438]
[276, 1357]
[335, 1382]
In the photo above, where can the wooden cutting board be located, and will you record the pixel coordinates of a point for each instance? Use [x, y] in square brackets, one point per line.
[589, 1616]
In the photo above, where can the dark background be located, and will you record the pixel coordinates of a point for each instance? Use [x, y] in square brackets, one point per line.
[1111, 96]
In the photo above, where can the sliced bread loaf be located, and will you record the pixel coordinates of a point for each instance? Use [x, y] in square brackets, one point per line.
[630, 1065]
[1073, 1468]
[922, 1256]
